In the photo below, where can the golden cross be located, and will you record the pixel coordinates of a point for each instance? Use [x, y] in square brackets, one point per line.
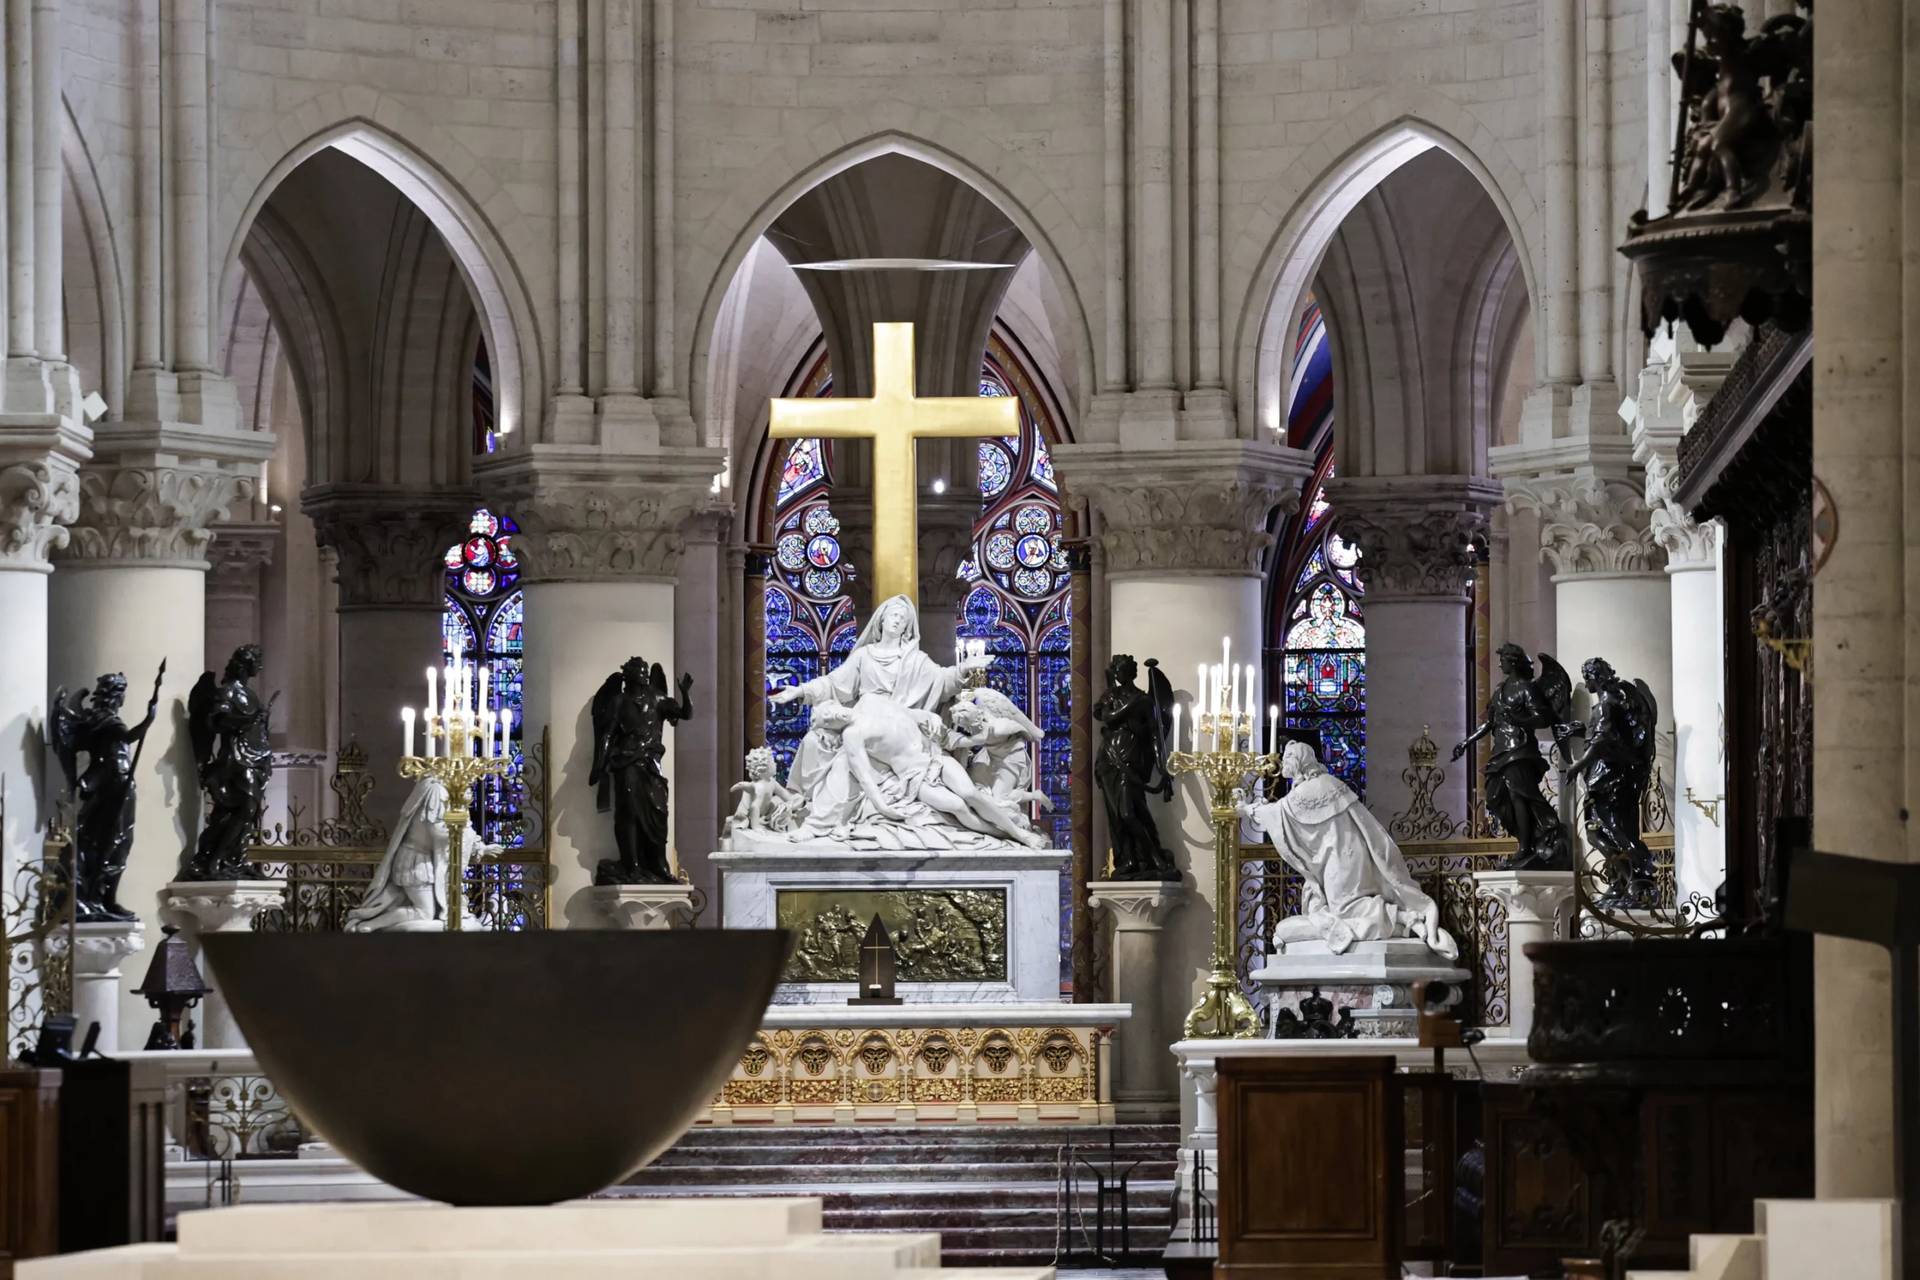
[894, 418]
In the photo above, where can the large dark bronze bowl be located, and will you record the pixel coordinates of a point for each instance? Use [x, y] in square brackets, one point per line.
[493, 1068]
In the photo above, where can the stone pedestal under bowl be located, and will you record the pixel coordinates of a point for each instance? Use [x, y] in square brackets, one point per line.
[498, 1068]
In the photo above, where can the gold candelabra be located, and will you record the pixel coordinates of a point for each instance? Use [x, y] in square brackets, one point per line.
[458, 769]
[1222, 1011]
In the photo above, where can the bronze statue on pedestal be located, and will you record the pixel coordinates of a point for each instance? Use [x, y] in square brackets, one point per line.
[1616, 766]
[229, 725]
[104, 792]
[1520, 707]
[1132, 764]
[630, 715]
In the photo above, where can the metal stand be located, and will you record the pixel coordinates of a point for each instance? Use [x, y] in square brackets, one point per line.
[1109, 1187]
[1222, 1011]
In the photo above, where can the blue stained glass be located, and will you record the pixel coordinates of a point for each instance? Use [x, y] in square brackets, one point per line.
[996, 470]
[484, 621]
[804, 467]
[1325, 680]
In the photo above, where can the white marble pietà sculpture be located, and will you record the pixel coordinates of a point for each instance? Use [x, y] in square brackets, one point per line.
[766, 804]
[886, 763]
[1357, 887]
[409, 887]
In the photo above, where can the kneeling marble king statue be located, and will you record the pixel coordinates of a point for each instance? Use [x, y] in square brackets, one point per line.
[409, 887]
[1356, 884]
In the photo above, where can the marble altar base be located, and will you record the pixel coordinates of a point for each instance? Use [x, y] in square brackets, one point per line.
[754, 881]
[1026, 1063]
[1374, 979]
[693, 1239]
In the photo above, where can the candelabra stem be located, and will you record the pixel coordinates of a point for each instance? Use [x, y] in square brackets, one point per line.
[1223, 1011]
[456, 822]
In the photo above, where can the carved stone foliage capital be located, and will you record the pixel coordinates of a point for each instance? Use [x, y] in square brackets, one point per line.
[388, 548]
[152, 512]
[581, 534]
[1686, 541]
[1136, 905]
[1414, 553]
[99, 946]
[1195, 507]
[945, 541]
[37, 501]
[1531, 897]
[1590, 525]
[237, 555]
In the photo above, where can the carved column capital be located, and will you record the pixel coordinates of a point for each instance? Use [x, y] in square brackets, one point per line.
[152, 493]
[1542, 898]
[1589, 524]
[1688, 544]
[1136, 906]
[387, 542]
[946, 538]
[99, 946]
[1413, 532]
[589, 517]
[1201, 507]
[39, 497]
[237, 555]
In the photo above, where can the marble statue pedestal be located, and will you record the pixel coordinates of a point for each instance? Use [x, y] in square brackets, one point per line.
[99, 949]
[1146, 1086]
[1539, 907]
[1374, 979]
[800, 880]
[713, 1239]
[198, 907]
[645, 906]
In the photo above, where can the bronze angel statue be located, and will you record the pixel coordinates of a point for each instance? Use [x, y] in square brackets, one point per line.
[630, 715]
[1522, 705]
[1135, 736]
[1617, 765]
[228, 722]
[103, 793]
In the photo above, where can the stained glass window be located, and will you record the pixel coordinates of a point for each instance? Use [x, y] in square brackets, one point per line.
[1316, 609]
[483, 620]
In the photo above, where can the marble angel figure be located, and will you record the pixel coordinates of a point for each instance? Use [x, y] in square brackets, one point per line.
[409, 887]
[766, 803]
[880, 747]
[1356, 884]
[996, 740]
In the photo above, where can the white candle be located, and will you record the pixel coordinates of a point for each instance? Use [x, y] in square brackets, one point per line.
[1233, 694]
[1273, 726]
[959, 651]
[486, 730]
[1173, 739]
[483, 689]
[506, 732]
[1199, 703]
[406, 732]
[433, 692]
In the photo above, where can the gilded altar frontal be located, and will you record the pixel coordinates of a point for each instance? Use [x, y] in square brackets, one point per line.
[942, 935]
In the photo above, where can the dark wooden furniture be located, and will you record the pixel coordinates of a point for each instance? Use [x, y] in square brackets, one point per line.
[29, 1164]
[1312, 1155]
[1672, 1088]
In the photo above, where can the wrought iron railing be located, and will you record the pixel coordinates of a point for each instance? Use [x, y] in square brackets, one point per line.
[36, 939]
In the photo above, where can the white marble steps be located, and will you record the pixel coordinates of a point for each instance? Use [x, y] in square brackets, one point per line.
[991, 1192]
[1828, 1239]
[647, 1239]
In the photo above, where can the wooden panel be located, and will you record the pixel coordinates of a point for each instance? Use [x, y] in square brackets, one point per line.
[29, 1165]
[1538, 1202]
[1311, 1166]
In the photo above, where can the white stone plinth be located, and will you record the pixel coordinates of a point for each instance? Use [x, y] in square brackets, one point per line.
[645, 906]
[197, 907]
[1539, 907]
[1374, 979]
[711, 1239]
[1145, 1088]
[99, 949]
[1030, 878]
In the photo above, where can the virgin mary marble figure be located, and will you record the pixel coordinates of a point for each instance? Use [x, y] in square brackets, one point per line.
[861, 764]
[1356, 884]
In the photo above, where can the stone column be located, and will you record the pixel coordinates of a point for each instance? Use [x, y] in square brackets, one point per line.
[946, 538]
[389, 546]
[239, 558]
[1539, 907]
[701, 618]
[39, 495]
[1413, 532]
[601, 540]
[1146, 1087]
[1611, 598]
[130, 591]
[101, 987]
[1184, 533]
[218, 906]
[1674, 388]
